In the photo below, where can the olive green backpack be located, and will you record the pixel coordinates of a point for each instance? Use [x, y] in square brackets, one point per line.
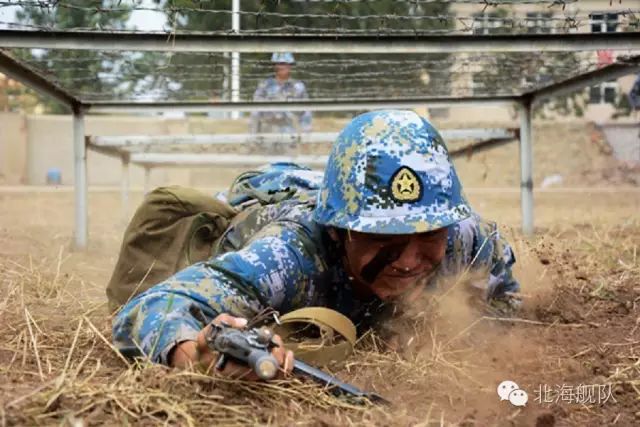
[174, 227]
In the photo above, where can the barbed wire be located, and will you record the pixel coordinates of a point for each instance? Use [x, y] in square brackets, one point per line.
[199, 96]
[172, 10]
[49, 4]
[301, 62]
[171, 90]
[114, 69]
[491, 84]
[386, 23]
[140, 70]
[216, 73]
[571, 25]
[318, 78]
[42, 3]
[132, 75]
[167, 94]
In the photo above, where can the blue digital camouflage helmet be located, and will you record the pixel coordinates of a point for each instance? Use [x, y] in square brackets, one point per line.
[389, 172]
[283, 58]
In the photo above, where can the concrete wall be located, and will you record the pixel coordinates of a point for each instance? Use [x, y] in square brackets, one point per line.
[13, 149]
[50, 145]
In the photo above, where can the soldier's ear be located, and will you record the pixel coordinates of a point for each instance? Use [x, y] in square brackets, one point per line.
[339, 235]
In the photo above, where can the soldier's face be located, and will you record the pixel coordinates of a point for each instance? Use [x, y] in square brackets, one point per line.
[392, 265]
[282, 71]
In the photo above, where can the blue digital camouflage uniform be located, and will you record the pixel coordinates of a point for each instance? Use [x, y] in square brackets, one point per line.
[280, 121]
[280, 254]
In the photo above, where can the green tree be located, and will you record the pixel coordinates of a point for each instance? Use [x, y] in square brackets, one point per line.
[326, 76]
[89, 74]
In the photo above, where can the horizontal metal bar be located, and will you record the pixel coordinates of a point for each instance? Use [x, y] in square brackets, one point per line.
[240, 160]
[480, 146]
[315, 105]
[579, 82]
[19, 72]
[231, 160]
[115, 152]
[586, 191]
[476, 134]
[270, 138]
[317, 43]
[237, 138]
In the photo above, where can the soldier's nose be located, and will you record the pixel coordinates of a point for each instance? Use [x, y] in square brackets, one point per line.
[411, 257]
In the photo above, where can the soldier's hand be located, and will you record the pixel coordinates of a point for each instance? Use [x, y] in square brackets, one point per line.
[197, 353]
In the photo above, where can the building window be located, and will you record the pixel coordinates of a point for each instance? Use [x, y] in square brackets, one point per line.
[604, 22]
[491, 23]
[604, 93]
[539, 22]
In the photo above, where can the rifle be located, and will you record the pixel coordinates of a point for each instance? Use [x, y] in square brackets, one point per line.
[253, 347]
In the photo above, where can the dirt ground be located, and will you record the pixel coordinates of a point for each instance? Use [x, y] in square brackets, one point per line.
[574, 347]
[580, 326]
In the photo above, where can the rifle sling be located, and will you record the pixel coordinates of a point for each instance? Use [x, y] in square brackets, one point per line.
[337, 335]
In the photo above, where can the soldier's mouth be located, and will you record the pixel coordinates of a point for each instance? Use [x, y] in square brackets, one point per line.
[415, 273]
[407, 276]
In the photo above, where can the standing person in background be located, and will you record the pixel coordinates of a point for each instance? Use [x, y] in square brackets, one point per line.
[280, 87]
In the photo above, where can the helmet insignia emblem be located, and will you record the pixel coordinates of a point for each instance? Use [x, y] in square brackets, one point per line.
[405, 185]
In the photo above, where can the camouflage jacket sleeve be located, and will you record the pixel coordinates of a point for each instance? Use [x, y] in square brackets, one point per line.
[271, 271]
[475, 244]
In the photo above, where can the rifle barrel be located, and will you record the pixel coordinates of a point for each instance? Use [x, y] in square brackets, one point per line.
[333, 384]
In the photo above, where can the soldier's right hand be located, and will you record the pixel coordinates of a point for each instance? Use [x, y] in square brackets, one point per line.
[198, 354]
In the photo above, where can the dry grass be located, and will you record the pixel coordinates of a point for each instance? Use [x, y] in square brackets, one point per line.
[580, 325]
[59, 365]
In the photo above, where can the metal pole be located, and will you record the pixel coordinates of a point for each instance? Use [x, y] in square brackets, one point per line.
[80, 179]
[116, 142]
[14, 69]
[311, 105]
[125, 187]
[581, 81]
[219, 159]
[226, 93]
[235, 58]
[526, 175]
[147, 179]
[328, 43]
